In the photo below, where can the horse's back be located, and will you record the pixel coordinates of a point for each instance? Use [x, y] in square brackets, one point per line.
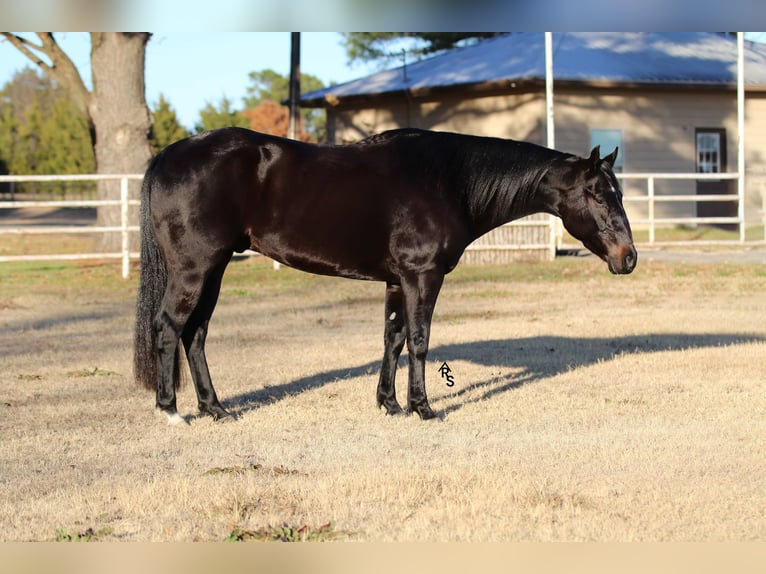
[337, 210]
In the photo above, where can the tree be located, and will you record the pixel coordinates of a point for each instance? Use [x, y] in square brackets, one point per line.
[267, 85]
[116, 113]
[270, 86]
[269, 117]
[166, 128]
[370, 46]
[212, 117]
[64, 141]
[41, 130]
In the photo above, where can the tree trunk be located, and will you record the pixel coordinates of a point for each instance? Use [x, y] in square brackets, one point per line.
[121, 118]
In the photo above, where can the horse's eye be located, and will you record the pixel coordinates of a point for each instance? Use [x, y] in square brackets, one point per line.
[597, 198]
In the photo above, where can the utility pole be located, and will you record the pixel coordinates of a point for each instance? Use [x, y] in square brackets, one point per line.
[295, 93]
[295, 84]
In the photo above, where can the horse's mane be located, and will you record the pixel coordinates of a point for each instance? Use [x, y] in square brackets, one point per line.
[502, 175]
[490, 175]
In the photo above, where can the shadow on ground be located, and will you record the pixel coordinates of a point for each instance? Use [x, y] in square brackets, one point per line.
[530, 360]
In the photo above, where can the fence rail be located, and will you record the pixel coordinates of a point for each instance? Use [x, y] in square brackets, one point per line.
[549, 244]
[124, 229]
[651, 199]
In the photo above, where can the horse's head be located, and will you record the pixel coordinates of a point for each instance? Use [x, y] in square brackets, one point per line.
[588, 198]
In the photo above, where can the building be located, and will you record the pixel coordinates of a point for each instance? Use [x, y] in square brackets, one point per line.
[667, 100]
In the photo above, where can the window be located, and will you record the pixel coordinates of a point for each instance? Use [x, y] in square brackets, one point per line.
[608, 140]
[710, 150]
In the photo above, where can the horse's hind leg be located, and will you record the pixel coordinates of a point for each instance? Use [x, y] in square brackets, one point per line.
[181, 296]
[193, 338]
[184, 303]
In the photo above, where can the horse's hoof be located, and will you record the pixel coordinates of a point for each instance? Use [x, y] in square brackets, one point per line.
[392, 410]
[174, 419]
[223, 419]
[218, 413]
[424, 412]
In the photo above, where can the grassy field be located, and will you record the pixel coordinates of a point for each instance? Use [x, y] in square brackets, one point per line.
[585, 407]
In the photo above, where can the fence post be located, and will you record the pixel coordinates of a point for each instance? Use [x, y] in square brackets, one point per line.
[763, 206]
[650, 208]
[553, 236]
[124, 226]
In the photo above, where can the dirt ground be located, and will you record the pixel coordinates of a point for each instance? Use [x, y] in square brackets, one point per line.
[584, 407]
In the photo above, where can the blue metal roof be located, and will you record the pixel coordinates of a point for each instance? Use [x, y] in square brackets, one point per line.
[653, 58]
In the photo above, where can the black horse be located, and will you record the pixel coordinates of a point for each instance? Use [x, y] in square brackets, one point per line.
[399, 207]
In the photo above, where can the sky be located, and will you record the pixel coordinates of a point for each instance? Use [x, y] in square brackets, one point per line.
[191, 69]
[194, 68]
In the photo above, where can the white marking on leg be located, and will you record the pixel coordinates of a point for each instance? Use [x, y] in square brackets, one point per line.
[173, 418]
[392, 316]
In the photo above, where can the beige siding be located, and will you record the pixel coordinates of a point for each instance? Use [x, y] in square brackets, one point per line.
[515, 116]
[658, 134]
[658, 128]
[755, 157]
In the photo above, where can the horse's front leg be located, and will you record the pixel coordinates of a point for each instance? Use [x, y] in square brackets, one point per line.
[394, 335]
[420, 293]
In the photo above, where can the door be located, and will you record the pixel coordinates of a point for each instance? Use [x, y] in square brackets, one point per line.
[710, 150]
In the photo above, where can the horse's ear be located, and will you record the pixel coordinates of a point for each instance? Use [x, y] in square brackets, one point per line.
[594, 159]
[612, 157]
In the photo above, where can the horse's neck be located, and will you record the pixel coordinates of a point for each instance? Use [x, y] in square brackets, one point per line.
[508, 192]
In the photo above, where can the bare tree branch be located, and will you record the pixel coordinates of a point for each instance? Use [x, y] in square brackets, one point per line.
[61, 68]
[27, 48]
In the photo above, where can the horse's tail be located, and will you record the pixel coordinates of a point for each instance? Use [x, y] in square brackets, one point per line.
[151, 288]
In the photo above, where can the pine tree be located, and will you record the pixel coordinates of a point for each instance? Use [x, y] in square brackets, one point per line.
[387, 46]
[212, 117]
[65, 141]
[43, 131]
[166, 128]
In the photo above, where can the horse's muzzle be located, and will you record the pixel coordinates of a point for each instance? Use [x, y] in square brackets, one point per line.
[624, 261]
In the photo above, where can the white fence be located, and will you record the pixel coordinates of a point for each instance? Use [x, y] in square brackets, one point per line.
[651, 221]
[124, 229]
[651, 199]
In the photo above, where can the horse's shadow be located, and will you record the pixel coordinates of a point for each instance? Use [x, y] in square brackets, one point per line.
[528, 360]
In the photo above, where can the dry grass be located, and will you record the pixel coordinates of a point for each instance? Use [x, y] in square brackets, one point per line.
[585, 407]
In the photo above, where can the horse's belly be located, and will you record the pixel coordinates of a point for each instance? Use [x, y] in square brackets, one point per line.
[328, 254]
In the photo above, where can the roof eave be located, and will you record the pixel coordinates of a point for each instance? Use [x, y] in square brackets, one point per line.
[330, 100]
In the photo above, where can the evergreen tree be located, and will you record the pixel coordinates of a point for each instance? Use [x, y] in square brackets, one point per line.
[386, 46]
[166, 128]
[41, 130]
[212, 117]
[267, 85]
[9, 127]
[66, 141]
